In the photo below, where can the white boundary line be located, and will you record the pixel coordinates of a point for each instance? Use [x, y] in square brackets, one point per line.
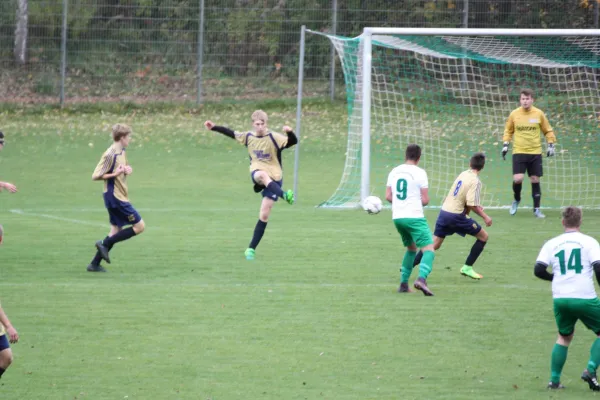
[556, 231]
[57, 218]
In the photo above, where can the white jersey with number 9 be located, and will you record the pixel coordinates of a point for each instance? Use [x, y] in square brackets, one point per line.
[406, 182]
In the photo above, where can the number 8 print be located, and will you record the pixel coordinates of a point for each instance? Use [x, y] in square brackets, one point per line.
[458, 185]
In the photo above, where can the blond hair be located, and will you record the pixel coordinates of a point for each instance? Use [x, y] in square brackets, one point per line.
[259, 115]
[119, 131]
[572, 217]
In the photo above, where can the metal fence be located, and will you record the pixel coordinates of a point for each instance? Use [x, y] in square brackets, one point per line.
[211, 50]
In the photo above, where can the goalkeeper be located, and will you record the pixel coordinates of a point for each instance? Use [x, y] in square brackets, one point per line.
[525, 124]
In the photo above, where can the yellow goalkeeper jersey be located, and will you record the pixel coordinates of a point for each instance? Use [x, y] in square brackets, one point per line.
[525, 127]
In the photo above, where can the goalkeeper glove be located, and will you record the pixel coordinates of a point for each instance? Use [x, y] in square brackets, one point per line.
[504, 150]
[550, 152]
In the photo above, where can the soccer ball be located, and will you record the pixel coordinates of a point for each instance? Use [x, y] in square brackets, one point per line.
[372, 205]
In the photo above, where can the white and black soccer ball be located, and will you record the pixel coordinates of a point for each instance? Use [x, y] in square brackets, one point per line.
[372, 204]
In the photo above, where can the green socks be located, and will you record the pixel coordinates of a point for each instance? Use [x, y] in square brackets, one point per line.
[594, 357]
[559, 356]
[426, 264]
[407, 266]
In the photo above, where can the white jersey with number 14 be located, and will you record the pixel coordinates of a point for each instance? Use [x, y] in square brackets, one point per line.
[571, 256]
[406, 181]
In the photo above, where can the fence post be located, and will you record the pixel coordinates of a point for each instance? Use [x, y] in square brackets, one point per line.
[200, 52]
[332, 67]
[63, 54]
[299, 108]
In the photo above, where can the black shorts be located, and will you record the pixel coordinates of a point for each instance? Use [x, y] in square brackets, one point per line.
[532, 163]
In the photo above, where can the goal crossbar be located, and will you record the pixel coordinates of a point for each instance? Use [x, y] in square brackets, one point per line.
[480, 32]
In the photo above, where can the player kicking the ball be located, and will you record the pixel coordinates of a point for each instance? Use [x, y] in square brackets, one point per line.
[264, 148]
[464, 197]
[408, 191]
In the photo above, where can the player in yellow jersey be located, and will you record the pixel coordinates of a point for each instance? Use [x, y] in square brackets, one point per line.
[6, 329]
[113, 170]
[464, 196]
[266, 170]
[524, 126]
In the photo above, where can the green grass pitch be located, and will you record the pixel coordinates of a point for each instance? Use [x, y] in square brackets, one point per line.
[182, 315]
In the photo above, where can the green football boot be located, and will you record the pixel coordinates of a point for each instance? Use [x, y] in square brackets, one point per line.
[470, 272]
[289, 196]
[249, 253]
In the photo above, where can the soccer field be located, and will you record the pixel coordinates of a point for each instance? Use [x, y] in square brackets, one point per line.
[182, 315]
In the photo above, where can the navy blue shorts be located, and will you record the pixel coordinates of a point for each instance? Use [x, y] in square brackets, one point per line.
[265, 192]
[121, 213]
[449, 223]
[4, 343]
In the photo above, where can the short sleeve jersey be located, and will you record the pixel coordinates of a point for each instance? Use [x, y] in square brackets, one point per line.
[465, 191]
[525, 126]
[265, 152]
[406, 182]
[109, 162]
[571, 256]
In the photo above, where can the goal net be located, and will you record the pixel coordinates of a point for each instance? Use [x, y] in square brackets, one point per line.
[452, 92]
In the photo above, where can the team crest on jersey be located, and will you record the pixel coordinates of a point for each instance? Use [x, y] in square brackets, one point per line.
[534, 121]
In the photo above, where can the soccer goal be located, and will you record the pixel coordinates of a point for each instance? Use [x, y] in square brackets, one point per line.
[451, 91]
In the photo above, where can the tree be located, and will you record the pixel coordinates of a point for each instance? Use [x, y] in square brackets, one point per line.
[21, 32]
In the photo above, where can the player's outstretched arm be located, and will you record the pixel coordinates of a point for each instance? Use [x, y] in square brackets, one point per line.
[221, 129]
[292, 138]
[8, 186]
[541, 271]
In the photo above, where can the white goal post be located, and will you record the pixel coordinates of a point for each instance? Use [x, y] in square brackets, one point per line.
[451, 90]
